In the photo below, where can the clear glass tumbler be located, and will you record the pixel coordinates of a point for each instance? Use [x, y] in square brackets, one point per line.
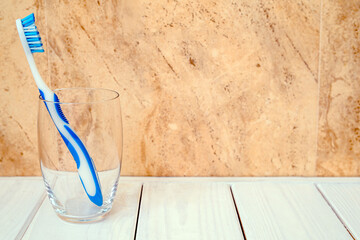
[95, 116]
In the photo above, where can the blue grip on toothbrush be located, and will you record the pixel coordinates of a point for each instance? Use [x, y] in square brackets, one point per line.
[96, 197]
[58, 109]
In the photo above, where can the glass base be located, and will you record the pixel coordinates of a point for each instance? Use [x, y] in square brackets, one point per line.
[68, 197]
[82, 211]
[75, 219]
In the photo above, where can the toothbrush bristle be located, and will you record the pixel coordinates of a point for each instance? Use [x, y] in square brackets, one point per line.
[31, 33]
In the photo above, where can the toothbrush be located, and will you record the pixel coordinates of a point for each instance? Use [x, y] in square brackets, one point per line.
[31, 41]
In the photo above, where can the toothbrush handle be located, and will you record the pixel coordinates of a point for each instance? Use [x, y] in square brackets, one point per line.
[85, 165]
[86, 168]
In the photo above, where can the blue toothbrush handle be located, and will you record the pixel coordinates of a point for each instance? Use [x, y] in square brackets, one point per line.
[86, 168]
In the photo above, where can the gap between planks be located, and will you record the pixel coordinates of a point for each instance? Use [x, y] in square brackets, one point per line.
[226, 187]
[332, 208]
[30, 218]
[237, 212]
[314, 184]
[229, 184]
[138, 211]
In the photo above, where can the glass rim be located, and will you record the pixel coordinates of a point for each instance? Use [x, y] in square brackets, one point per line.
[117, 95]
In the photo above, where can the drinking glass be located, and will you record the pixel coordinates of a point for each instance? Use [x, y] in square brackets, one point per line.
[95, 116]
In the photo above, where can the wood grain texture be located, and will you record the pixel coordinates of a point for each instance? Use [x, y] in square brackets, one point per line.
[271, 208]
[119, 224]
[286, 211]
[187, 211]
[344, 198]
[339, 109]
[19, 201]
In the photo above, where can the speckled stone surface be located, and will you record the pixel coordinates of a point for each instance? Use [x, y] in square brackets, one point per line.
[208, 88]
[339, 118]
[18, 94]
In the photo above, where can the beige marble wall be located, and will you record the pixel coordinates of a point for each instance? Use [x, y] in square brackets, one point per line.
[208, 88]
[18, 101]
[339, 116]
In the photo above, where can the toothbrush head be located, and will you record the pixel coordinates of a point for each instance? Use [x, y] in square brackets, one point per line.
[31, 33]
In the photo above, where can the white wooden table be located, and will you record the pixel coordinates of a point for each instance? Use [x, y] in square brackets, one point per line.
[194, 208]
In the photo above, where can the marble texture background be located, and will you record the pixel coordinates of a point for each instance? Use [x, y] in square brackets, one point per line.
[208, 88]
[339, 115]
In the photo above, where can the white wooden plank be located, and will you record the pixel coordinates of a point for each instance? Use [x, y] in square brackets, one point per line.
[119, 224]
[286, 211]
[187, 211]
[19, 200]
[345, 201]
